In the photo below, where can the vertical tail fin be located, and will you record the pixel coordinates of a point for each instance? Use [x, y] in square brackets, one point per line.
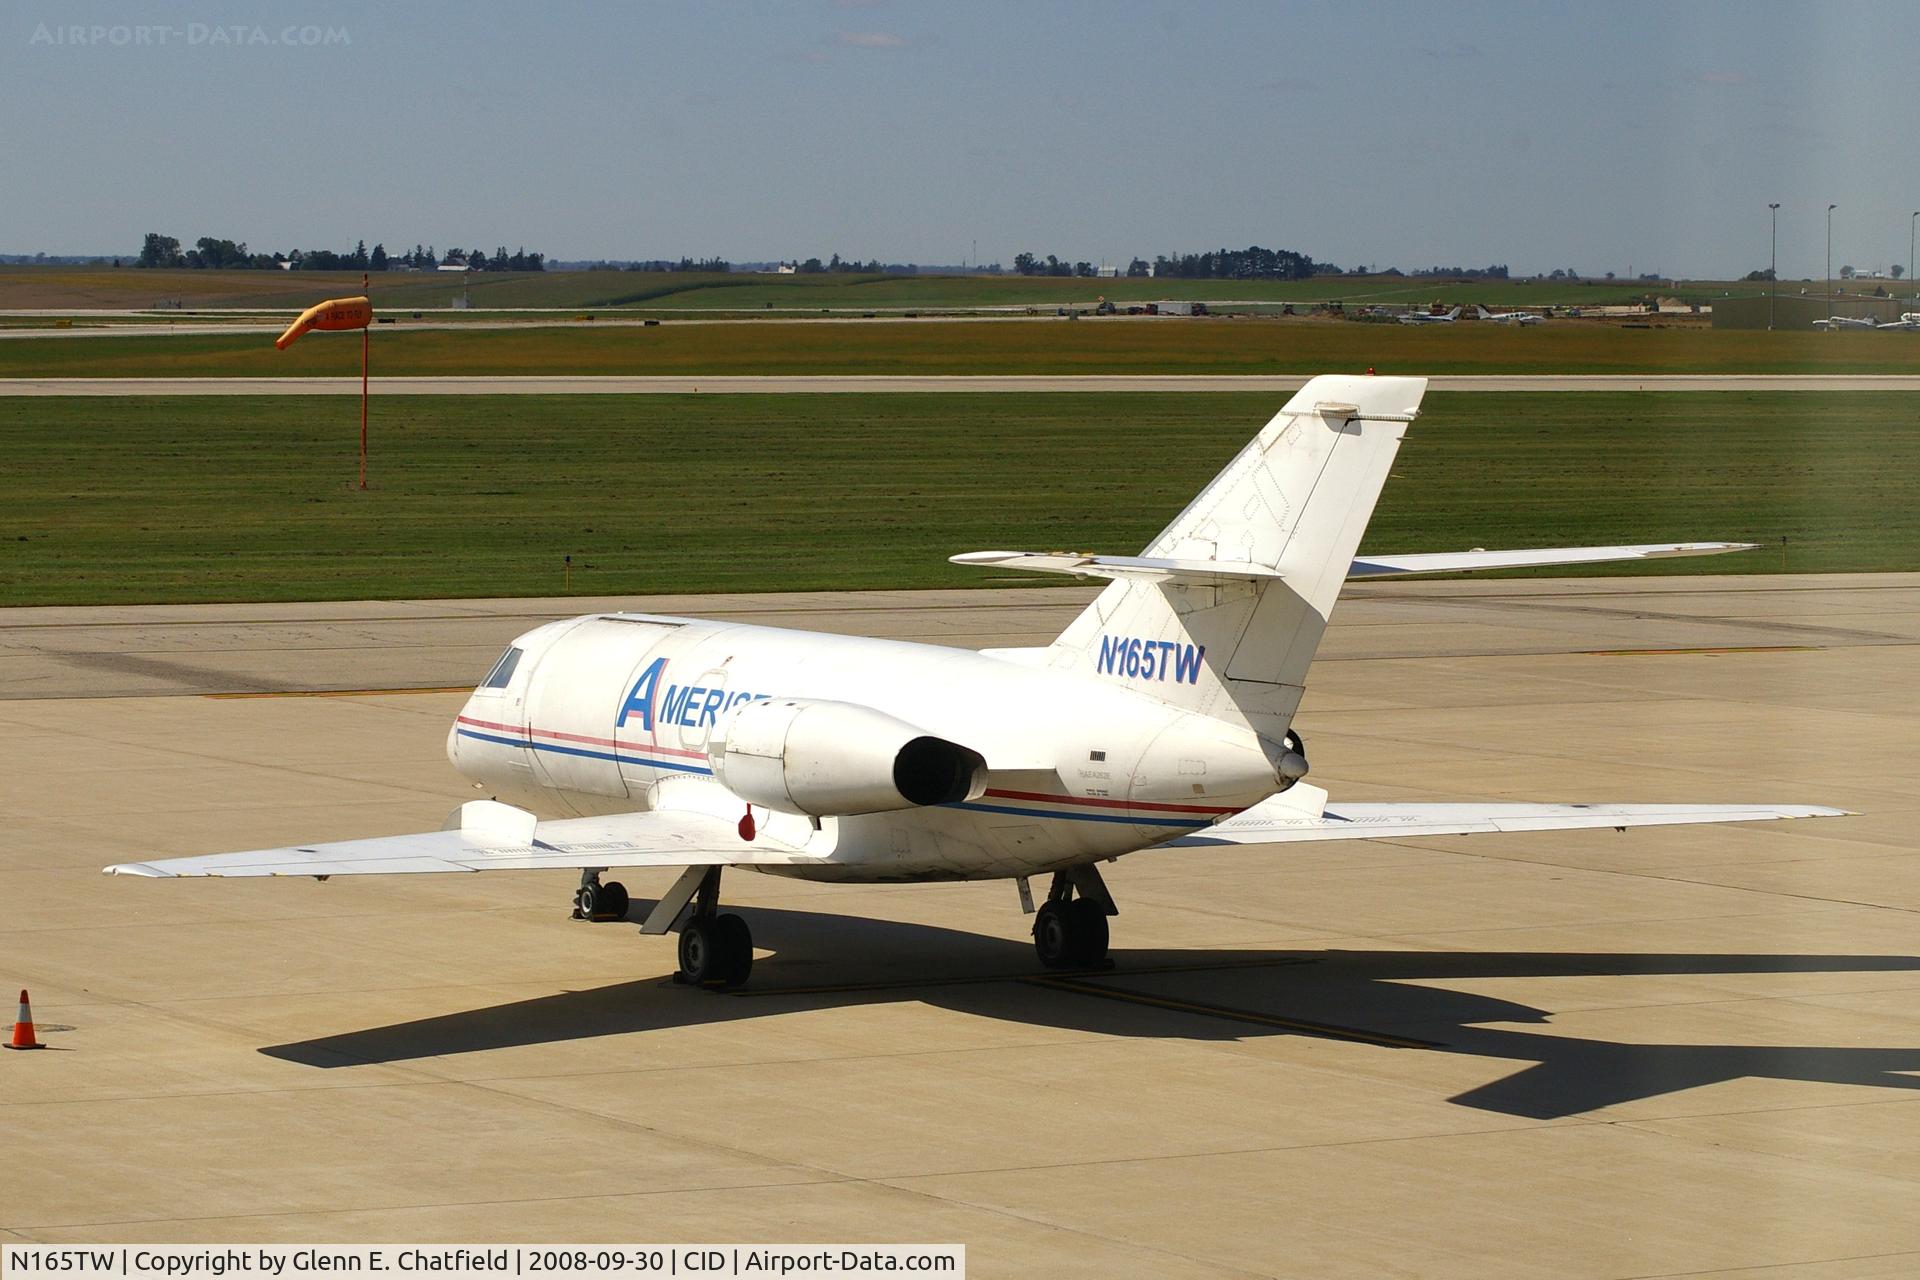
[1296, 501]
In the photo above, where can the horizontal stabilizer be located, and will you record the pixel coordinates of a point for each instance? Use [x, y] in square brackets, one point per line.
[1465, 561]
[1157, 568]
[1302, 813]
[652, 839]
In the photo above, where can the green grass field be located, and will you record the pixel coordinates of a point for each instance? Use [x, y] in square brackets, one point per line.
[738, 292]
[67, 287]
[186, 499]
[1056, 347]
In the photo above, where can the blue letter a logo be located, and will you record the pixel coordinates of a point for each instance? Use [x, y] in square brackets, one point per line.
[640, 699]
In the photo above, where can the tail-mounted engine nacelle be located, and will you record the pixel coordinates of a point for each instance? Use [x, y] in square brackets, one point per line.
[1290, 761]
[822, 759]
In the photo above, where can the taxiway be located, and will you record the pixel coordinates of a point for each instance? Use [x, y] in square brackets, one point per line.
[1690, 1050]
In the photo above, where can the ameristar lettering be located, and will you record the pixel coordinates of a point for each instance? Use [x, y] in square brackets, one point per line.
[690, 707]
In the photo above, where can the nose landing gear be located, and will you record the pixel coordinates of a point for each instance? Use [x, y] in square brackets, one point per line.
[597, 901]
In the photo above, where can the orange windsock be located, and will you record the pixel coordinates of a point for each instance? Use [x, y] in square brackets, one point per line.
[23, 1028]
[334, 313]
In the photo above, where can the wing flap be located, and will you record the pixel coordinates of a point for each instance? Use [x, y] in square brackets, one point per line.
[1291, 817]
[1466, 561]
[651, 839]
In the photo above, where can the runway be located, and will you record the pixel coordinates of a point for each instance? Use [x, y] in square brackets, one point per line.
[1673, 1051]
[575, 384]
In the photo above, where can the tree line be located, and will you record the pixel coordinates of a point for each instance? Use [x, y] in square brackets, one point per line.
[715, 264]
[1251, 263]
[207, 252]
[806, 267]
[1494, 271]
[813, 266]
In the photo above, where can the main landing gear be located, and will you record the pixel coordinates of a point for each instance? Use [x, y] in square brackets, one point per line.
[1071, 932]
[716, 950]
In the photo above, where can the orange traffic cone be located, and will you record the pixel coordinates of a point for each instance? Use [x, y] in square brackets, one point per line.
[23, 1028]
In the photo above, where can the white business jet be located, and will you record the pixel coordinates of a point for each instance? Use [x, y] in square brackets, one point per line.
[1429, 317]
[1506, 317]
[1160, 718]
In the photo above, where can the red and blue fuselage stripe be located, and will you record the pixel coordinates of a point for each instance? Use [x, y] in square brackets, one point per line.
[1140, 813]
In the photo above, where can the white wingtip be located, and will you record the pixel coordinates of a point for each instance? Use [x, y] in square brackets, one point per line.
[137, 869]
[1700, 549]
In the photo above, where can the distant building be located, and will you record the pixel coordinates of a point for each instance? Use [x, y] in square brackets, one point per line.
[1108, 273]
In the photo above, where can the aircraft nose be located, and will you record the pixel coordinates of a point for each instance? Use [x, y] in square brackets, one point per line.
[455, 741]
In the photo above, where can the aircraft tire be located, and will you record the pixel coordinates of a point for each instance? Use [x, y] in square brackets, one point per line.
[611, 901]
[1053, 936]
[735, 942]
[701, 953]
[1087, 926]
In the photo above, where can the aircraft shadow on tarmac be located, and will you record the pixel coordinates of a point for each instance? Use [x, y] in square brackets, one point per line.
[1373, 997]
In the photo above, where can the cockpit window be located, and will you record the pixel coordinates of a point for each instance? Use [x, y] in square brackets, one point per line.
[502, 674]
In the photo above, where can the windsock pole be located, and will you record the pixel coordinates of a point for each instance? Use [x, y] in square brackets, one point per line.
[341, 313]
[365, 357]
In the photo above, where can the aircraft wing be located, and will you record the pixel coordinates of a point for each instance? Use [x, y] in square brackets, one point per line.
[498, 837]
[1462, 561]
[1301, 813]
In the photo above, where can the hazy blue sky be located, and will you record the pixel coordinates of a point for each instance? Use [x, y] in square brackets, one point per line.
[1596, 136]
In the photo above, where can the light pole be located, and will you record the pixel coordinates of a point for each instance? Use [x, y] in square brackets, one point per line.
[1830, 311]
[1773, 265]
[1910, 226]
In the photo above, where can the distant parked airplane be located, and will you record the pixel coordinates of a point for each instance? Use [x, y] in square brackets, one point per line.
[1907, 320]
[1506, 317]
[1427, 317]
[1845, 322]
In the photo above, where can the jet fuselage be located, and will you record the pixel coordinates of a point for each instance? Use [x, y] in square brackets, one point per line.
[598, 714]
